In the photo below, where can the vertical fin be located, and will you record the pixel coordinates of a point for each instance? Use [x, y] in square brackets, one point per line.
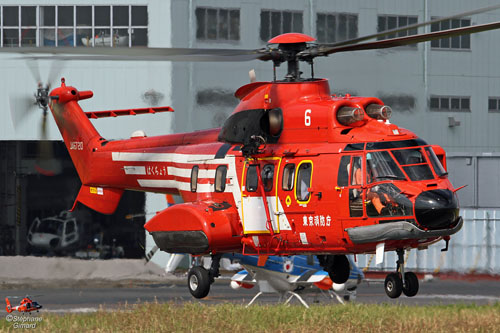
[101, 199]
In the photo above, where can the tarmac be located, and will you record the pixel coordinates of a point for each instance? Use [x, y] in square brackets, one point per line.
[75, 285]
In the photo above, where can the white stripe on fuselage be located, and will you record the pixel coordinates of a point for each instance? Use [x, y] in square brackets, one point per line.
[171, 183]
[134, 170]
[192, 159]
[186, 173]
[164, 157]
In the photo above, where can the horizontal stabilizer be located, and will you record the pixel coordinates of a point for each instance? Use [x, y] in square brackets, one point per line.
[127, 112]
[101, 199]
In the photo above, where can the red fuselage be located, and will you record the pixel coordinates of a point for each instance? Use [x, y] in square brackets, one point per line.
[313, 186]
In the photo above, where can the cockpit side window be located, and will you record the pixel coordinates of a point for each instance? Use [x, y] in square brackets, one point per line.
[343, 175]
[356, 172]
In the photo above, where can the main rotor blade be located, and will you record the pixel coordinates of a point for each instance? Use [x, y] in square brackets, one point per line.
[410, 27]
[20, 106]
[393, 42]
[139, 53]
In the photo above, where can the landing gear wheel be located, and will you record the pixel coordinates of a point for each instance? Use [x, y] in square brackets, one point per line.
[338, 268]
[393, 285]
[198, 282]
[410, 287]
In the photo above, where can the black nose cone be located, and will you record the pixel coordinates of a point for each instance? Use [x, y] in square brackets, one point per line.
[436, 209]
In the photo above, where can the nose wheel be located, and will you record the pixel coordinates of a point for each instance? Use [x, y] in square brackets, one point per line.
[401, 282]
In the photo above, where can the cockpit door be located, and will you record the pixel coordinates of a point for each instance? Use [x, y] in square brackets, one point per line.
[259, 196]
[350, 186]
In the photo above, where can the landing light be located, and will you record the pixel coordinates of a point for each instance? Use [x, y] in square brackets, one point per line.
[379, 112]
[348, 115]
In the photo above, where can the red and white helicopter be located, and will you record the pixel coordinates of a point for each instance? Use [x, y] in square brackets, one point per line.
[293, 170]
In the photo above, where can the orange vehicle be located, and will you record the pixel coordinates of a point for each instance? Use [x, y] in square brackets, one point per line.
[293, 170]
[26, 305]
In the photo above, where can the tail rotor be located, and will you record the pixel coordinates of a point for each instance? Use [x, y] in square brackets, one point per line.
[22, 106]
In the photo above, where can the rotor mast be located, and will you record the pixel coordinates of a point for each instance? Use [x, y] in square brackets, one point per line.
[289, 47]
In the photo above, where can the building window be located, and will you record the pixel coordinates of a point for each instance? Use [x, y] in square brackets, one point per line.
[452, 43]
[113, 26]
[389, 22]
[331, 28]
[494, 104]
[450, 103]
[274, 23]
[217, 24]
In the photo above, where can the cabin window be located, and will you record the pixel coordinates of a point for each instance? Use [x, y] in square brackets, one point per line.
[304, 174]
[288, 177]
[194, 178]
[252, 181]
[267, 176]
[343, 175]
[220, 178]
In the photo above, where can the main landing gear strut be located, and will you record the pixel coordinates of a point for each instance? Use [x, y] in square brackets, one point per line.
[401, 282]
[200, 279]
[337, 266]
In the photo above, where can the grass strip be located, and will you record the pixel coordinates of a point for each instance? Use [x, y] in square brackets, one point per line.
[228, 317]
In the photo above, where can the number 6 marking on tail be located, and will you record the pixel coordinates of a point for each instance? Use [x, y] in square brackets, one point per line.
[307, 117]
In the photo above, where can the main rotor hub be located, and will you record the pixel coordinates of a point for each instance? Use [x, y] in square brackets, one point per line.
[290, 46]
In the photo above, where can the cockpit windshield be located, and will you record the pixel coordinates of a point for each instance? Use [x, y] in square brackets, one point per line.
[414, 163]
[436, 164]
[380, 165]
[50, 226]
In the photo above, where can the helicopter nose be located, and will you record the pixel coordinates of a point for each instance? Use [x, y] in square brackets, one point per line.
[436, 209]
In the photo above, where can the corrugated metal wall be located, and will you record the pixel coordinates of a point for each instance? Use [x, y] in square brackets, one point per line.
[474, 249]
